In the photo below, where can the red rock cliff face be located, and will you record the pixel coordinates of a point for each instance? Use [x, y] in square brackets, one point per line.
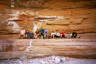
[78, 15]
[80, 20]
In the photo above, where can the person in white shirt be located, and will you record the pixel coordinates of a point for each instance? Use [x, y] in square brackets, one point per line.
[57, 34]
[22, 33]
[52, 34]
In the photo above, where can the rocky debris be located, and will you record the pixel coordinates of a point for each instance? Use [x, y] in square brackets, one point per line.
[46, 60]
[49, 60]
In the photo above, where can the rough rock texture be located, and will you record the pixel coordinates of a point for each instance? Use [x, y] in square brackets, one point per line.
[79, 15]
[61, 4]
[80, 20]
[82, 48]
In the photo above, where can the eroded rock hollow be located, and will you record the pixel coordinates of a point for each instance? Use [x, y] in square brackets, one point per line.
[68, 16]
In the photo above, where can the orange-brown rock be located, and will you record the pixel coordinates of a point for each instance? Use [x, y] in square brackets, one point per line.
[17, 48]
[79, 15]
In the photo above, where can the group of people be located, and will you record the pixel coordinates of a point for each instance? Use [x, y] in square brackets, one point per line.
[63, 34]
[44, 34]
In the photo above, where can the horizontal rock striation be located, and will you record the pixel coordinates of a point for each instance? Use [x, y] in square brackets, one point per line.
[82, 48]
[79, 15]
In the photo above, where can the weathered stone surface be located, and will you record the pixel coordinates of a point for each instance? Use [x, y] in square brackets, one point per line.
[13, 45]
[78, 15]
[48, 47]
[79, 20]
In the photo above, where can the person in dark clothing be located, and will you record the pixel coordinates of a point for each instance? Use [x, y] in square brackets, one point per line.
[27, 34]
[32, 35]
[42, 33]
[74, 34]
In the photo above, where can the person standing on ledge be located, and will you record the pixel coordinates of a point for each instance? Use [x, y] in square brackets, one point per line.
[63, 34]
[45, 33]
[42, 33]
[74, 34]
[22, 33]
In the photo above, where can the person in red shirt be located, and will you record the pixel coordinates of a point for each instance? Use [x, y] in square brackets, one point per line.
[63, 34]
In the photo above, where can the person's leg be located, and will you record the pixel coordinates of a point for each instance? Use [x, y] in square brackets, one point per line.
[28, 36]
[32, 37]
[54, 36]
[72, 35]
[51, 35]
[21, 36]
[42, 36]
[24, 36]
[64, 36]
[60, 36]
[46, 36]
[38, 36]
[75, 35]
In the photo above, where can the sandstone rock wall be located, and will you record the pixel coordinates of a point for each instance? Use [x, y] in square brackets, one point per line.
[61, 4]
[79, 15]
[17, 48]
[80, 20]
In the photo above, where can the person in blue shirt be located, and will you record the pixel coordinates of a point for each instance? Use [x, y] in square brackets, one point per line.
[27, 34]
